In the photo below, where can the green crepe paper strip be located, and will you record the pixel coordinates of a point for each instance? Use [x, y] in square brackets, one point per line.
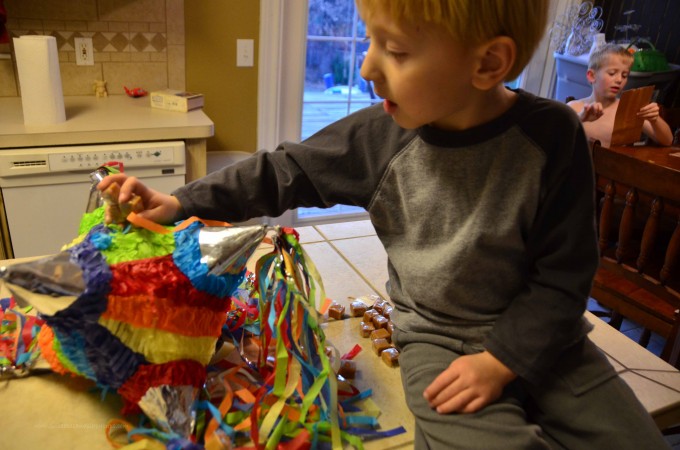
[63, 359]
[127, 244]
[140, 244]
[90, 220]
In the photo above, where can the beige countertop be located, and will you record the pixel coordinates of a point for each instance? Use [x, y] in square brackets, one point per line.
[92, 120]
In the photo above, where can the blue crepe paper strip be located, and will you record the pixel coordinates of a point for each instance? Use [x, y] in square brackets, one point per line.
[90, 347]
[187, 257]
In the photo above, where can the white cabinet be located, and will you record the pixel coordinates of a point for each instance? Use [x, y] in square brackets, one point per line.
[571, 77]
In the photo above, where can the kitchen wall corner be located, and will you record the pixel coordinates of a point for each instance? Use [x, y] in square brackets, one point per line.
[136, 44]
[212, 28]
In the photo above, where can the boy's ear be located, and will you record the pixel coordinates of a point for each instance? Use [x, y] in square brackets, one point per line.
[495, 59]
[590, 76]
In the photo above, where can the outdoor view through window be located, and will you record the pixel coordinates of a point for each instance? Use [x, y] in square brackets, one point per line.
[336, 46]
[336, 42]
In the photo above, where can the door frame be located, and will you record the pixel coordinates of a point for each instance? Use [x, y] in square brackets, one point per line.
[281, 61]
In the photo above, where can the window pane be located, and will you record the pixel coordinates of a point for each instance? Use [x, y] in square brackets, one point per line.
[330, 71]
[328, 64]
[330, 17]
[333, 85]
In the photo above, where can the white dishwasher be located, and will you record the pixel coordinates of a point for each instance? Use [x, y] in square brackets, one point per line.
[45, 190]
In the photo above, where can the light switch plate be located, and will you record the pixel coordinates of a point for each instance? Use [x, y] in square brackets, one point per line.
[244, 52]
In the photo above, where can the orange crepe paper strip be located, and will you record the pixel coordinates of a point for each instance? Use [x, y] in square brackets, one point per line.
[141, 222]
[45, 342]
[326, 304]
[141, 311]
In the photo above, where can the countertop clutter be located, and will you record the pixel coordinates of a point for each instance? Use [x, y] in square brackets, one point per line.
[92, 120]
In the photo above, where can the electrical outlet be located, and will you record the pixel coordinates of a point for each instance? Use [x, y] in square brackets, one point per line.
[84, 51]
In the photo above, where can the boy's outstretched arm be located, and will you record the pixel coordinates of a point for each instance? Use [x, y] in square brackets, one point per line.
[469, 383]
[655, 127]
[158, 207]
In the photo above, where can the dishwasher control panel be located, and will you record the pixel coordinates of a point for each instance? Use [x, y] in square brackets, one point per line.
[70, 164]
[134, 156]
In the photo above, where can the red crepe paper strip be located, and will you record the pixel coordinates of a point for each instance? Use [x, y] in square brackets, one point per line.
[185, 372]
[352, 353]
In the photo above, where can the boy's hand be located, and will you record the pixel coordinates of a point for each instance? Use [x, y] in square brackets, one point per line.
[649, 112]
[591, 112]
[469, 383]
[158, 207]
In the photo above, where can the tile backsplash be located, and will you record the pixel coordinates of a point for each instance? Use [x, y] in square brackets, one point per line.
[136, 43]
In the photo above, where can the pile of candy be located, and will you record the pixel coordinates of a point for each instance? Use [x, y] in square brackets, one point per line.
[377, 325]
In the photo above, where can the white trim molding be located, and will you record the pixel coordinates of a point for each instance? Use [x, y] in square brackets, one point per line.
[283, 34]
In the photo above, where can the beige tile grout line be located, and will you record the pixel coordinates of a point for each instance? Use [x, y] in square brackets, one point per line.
[361, 275]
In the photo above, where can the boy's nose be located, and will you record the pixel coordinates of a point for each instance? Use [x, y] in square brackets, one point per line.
[368, 69]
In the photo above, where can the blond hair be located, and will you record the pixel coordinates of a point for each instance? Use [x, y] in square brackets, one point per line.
[600, 55]
[474, 22]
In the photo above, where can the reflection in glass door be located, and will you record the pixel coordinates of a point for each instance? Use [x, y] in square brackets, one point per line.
[333, 87]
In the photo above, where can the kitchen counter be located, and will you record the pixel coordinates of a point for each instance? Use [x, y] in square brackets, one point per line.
[352, 263]
[117, 118]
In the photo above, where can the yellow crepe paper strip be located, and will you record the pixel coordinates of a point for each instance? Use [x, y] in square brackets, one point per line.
[160, 346]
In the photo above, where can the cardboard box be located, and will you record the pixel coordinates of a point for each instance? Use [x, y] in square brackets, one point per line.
[174, 100]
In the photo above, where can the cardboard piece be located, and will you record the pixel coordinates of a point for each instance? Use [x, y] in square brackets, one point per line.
[627, 125]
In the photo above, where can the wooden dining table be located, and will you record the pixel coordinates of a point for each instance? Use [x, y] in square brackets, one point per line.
[652, 169]
[664, 158]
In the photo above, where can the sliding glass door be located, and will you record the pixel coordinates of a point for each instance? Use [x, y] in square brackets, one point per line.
[309, 60]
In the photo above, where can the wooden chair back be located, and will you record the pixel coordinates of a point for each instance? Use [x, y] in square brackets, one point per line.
[639, 240]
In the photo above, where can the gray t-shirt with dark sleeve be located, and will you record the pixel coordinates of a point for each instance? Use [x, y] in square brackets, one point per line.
[489, 232]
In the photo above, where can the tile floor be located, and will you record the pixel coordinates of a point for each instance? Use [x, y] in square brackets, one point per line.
[632, 329]
[352, 257]
[349, 257]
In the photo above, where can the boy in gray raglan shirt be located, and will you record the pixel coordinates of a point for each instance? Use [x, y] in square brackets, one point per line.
[484, 200]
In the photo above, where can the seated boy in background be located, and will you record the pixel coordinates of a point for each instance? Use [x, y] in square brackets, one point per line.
[608, 70]
[484, 200]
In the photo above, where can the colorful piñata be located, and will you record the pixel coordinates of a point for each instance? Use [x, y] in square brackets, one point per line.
[142, 311]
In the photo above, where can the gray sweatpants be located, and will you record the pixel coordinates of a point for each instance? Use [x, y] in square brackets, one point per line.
[584, 404]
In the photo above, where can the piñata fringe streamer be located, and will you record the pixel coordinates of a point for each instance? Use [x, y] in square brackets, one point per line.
[19, 333]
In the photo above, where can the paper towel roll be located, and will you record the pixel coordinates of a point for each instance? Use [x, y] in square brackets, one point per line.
[42, 97]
